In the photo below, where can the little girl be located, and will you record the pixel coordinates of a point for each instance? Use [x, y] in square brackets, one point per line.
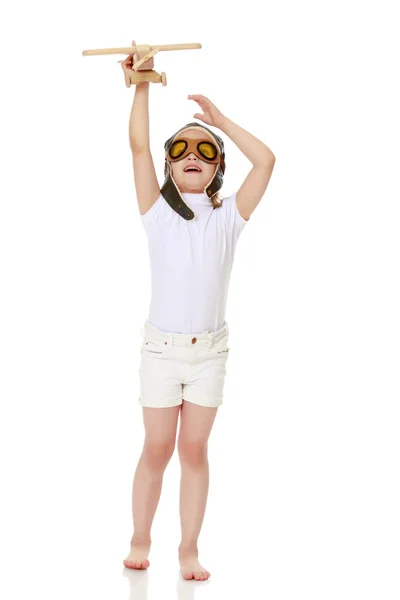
[192, 234]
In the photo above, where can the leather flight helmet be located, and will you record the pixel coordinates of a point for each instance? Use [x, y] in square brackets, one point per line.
[170, 190]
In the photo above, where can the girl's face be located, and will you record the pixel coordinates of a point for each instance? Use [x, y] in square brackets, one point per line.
[193, 181]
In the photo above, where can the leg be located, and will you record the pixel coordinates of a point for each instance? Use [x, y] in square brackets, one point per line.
[196, 424]
[160, 435]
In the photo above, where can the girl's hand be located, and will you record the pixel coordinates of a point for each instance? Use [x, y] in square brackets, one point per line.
[211, 116]
[127, 64]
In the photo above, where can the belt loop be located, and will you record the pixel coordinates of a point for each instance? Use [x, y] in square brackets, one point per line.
[210, 339]
[170, 340]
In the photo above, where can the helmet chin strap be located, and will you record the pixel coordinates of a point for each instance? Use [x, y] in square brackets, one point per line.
[205, 187]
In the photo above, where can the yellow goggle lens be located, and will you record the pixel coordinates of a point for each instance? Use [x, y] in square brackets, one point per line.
[207, 150]
[177, 149]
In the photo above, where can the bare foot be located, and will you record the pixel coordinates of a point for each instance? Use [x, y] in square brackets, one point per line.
[137, 557]
[190, 566]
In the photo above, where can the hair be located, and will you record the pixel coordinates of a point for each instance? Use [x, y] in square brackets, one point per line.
[216, 200]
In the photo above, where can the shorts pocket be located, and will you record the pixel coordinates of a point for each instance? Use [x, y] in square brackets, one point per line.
[224, 351]
[221, 347]
[152, 346]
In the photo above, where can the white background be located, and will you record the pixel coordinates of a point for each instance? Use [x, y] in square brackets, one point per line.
[304, 454]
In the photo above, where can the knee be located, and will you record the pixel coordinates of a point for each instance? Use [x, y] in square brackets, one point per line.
[157, 454]
[192, 452]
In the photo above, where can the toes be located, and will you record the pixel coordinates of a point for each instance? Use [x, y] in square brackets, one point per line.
[187, 575]
[198, 575]
[204, 574]
[136, 564]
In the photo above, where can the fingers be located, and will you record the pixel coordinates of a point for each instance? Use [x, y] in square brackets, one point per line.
[128, 62]
[200, 99]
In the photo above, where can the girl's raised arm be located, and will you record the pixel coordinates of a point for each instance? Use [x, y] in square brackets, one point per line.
[252, 189]
[146, 183]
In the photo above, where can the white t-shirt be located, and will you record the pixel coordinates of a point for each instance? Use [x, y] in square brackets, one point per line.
[191, 262]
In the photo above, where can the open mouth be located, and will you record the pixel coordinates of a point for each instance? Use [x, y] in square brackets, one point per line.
[192, 169]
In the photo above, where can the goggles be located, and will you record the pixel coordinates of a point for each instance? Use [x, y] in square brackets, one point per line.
[204, 149]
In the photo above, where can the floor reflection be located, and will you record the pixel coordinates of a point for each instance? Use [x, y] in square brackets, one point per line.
[139, 585]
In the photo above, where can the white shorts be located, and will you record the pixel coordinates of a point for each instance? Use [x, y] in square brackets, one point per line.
[182, 366]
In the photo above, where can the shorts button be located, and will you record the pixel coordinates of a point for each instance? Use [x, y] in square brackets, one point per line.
[194, 340]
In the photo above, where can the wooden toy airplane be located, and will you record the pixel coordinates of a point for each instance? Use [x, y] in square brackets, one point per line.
[143, 63]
